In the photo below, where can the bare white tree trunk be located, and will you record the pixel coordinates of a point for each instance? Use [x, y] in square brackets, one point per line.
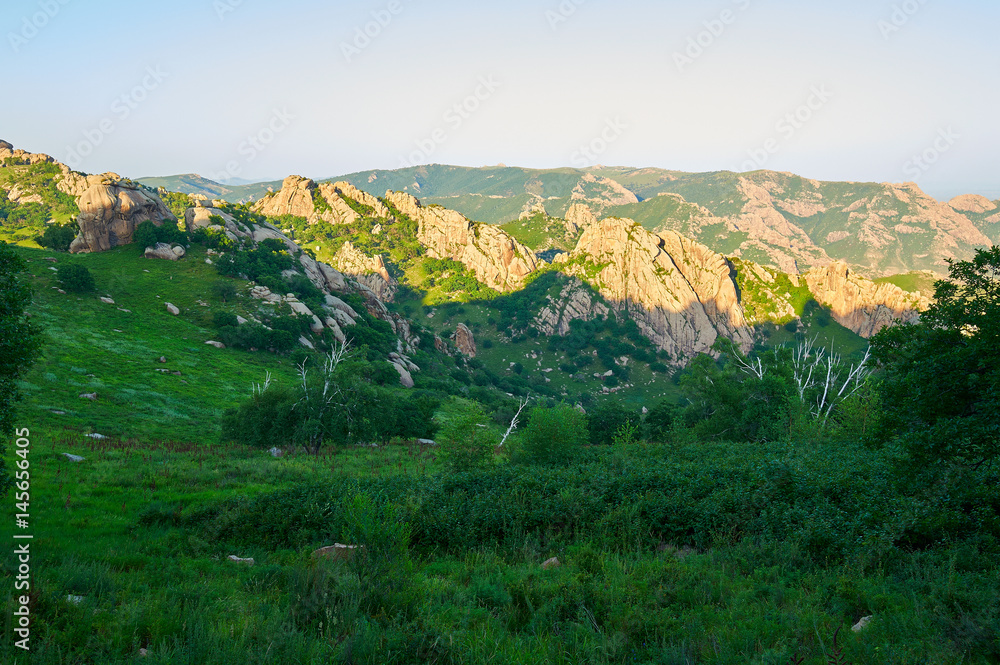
[513, 422]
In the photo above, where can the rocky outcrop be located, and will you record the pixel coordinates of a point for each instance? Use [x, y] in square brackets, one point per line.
[110, 209]
[972, 203]
[367, 270]
[579, 216]
[294, 198]
[679, 293]
[7, 151]
[490, 253]
[323, 202]
[576, 301]
[860, 304]
[465, 342]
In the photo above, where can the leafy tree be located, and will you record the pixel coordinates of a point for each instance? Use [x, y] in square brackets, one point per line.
[659, 421]
[941, 383]
[76, 278]
[145, 235]
[265, 420]
[553, 435]
[606, 419]
[19, 343]
[58, 236]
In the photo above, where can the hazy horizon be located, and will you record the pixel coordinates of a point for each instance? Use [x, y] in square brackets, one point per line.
[857, 91]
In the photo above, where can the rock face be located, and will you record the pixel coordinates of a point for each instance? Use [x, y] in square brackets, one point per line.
[465, 342]
[576, 301]
[324, 202]
[681, 295]
[367, 270]
[490, 253]
[110, 209]
[972, 203]
[579, 216]
[858, 303]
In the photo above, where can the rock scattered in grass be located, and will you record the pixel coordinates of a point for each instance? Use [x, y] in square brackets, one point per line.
[337, 551]
[73, 458]
[91, 396]
[172, 309]
[236, 559]
[862, 624]
[218, 345]
[107, 300]
[551, 563]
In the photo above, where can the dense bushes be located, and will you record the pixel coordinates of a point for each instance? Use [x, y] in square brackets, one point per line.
[835, 504]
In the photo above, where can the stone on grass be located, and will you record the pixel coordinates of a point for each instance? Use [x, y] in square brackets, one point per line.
[95, 435]
[163, 359]
[172, 309]
[862, 624]
[107, 300]
[236, 559]
[73, 458]
[91, 396]
[337, 552]
[551, 563]
[218, 345]
[276, 452]
[75, 600]
[427, 442]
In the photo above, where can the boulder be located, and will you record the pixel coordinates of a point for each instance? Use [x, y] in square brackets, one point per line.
[172, 309]
[218, 345]
[91, 396]
[405, 378]
[464, 341]
[161, 250]
[107, 301]
[862, 624]
[337, 552]
[110, 209]
[73, 458]
[236, 559]
[551, 563]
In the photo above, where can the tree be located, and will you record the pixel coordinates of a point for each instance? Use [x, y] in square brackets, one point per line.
[19, 343]
[58, 237]
[75, 278]
[606, 419]
[941, 376]
[553, 435]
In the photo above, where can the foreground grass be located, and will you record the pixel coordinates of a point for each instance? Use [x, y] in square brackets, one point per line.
[142, 532]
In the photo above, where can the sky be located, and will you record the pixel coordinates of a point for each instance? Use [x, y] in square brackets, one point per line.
[887, 91]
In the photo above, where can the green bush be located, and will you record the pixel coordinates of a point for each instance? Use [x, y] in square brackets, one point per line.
[553, 435]
[58, 237]
[466, 441]
[606, 419]
[265, 420]
[75, 278]
[222, 319]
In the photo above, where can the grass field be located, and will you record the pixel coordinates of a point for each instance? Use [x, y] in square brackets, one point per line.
[131, 549]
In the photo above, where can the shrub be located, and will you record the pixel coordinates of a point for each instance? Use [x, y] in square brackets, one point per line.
[606, 419]
[222, 319]
[144, 235]
[58, 237]
[265, 420]
[553, 435]
[466, 441]
[76, 278]
[226, 291]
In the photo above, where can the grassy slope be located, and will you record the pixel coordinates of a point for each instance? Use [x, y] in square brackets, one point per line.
[85, 352]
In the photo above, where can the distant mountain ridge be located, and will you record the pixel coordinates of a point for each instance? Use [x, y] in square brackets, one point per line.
[778, 219]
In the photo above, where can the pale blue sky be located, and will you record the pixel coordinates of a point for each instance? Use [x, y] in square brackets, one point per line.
[154, 89]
